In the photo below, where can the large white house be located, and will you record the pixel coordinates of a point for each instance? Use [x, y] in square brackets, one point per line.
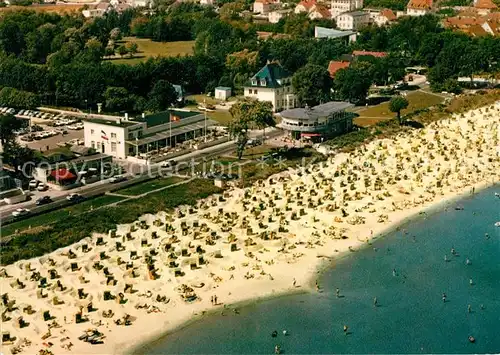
[276, 15]
[341, 6]
[274, 84]
[352, 20]
[123, 137]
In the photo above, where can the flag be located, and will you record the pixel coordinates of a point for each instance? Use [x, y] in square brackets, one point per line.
[174, 118]
[104, 135]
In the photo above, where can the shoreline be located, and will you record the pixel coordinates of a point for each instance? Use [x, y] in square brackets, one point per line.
[323, 265]
[147, 279]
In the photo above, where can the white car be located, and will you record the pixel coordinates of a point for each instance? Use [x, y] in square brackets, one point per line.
[33, 184]
[42, 187]
[20, 212]
[117, 178]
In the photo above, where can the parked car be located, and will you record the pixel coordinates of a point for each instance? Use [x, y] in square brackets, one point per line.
[75, 197]
[117, 178]
[42, 187]
[33, 184]
[20, 212]
[43, 200]
[169, 164]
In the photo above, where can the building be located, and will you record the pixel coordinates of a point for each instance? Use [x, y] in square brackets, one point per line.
[222, 92]
[335, 66]
[263, 7]
[305, 6]
[323, 32]
[123, 137]
[318, 122]
[484, 7]
[276, 15]
[474, 24]
[370, 53]
[341, 6]
[383, 17]
[207, 2]
[419, 7]
[319, 12]
[179, 90]
[353, 20]
[274, 84]
[97, 11]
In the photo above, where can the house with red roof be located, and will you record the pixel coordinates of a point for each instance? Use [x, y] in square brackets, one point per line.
[335, 66]
[419, 7]
[385, 16]
[484, 7]
[373, 54]
[305, 6]
[319, 12]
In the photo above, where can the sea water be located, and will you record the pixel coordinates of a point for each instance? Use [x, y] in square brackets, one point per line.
[411, 316]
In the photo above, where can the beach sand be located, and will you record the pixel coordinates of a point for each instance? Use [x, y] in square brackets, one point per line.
[149, 277]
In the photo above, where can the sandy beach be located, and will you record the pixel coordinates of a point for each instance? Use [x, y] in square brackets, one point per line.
[109, 293]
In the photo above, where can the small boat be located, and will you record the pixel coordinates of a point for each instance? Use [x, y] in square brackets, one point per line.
[471, 339]
[274, 334]
[277, 349]
[459, 208]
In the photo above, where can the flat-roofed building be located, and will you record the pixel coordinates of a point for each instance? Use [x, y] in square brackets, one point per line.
[322, 121]
[123, 137]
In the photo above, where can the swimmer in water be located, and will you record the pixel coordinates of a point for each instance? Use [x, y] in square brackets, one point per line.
[469, 308]
[393, 272]
[445, 258]
[337, 293]
[375, 302]
[467, 262]
[471, 282]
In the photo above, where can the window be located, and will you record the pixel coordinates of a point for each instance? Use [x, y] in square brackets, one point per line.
[131, 135]
[255, 91]
[113, 135]
[92, 144]
[91, 131]
[113, 146]
[254, 82]
[139, 134]
[263, 82]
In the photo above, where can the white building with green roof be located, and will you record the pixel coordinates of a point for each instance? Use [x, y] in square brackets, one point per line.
[272, 83]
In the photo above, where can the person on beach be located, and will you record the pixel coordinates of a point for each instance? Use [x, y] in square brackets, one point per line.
[212, 300]
[215, 300]
[294, 282]
[317, 286]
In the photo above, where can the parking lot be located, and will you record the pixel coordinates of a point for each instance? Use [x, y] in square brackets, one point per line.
[46, 130]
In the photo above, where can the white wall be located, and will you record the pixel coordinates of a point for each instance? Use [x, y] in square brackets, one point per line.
[116, 138]
[276, 96]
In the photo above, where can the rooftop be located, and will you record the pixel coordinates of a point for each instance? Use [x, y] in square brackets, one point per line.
[222, 88]
[319, 111]
[485, 4]
[420, 4]
[164, 117]
[270, 73]
[334, 67]
[117, 123]
[373, 54]
[355, 13]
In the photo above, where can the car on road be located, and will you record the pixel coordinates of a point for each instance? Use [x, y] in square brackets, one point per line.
[42, 187]
[117, 179]
[75, 197]
[33, 184]
[169, 164]
[43, 200]
[20, 212]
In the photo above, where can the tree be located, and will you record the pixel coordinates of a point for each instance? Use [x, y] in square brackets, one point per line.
[94, 50]
[117, 99]
[132, 48]
[397, 104]
[312, 84]
[162, 96]
[352, 83]
[8, 124]
[122, 50]
[115, 34]
[245, 113]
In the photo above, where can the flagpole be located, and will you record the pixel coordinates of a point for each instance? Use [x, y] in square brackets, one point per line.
[170, 128]
[205, 113]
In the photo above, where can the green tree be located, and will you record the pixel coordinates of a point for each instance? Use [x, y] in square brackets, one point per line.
[132, 49]
[312, 84]
[353, 83]
[245, 113]
[122, 50]
[397, 104]
[162, 96]
[8, 124]
[94, 50]
[117, 99]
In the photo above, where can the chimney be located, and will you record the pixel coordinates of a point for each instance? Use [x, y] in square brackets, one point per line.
[143, 115]
[126, 116]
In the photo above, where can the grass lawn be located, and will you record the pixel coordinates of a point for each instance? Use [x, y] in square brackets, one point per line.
[149, 185]
[56, 215]
[149, 49]
[417, 100]
[221, 116]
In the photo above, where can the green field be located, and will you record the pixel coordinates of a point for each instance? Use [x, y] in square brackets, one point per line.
[54, 216]
[149, 49]
[417, 100]
[149, 185]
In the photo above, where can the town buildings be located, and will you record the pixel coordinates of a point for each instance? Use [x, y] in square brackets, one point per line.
[342, 6]
[263, 7]
[318, 122]
[352, 20]
[276, 15]
[125, 137]
[272, 83]
[419, 7]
